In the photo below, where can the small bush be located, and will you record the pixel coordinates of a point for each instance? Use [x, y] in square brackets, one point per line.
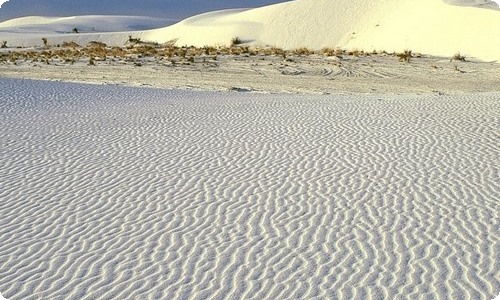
[236, 41]
[133, 40]
[96, 44]
[302, 51]
[405, 56]
[458, 57]
[71, 44]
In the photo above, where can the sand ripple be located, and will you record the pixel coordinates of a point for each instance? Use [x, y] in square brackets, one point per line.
[124, 193]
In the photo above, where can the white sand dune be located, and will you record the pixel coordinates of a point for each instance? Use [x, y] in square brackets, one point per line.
[428, 26]
[91, 23]
[114, 192]
[113, 30]
[434, 27]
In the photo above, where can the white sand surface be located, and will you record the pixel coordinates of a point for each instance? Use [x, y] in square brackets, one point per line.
[112, 192]
[314, 74]
[435, 27]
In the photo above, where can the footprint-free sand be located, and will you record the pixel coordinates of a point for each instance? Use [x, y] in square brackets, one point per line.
[112, 192]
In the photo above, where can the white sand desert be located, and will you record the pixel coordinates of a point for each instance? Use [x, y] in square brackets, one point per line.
[282, 176]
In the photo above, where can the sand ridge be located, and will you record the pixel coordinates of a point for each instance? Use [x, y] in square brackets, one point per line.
[127, 193]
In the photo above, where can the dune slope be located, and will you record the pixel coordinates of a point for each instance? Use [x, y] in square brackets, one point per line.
[428, 26]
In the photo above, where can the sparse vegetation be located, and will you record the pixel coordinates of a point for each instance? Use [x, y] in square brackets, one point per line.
[136, 51]
[405, 56]
[458, 57]
[331, 52]
[71, 44]
[302, 51]
[236, 41]
[133, 40]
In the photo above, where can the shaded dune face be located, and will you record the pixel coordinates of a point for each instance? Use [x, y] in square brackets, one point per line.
[474, 3]
[131, 193]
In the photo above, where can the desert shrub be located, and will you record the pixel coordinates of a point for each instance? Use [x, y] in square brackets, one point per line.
[96, 44]
[355, 52]
[235, 51]
[458, 57]
[133, 40]
[236, 41]
[209, 50]
[331, 51]
[302, 51]
[145, 50]
[118, 52]
[71, 44]
[404, 56]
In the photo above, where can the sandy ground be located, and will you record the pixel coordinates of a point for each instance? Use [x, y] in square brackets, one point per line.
[112, 192]
[314, 74]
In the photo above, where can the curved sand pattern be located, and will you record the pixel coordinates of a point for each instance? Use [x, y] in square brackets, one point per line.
[124, 193]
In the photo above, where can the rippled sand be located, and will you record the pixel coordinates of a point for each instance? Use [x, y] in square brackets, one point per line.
[111, 192]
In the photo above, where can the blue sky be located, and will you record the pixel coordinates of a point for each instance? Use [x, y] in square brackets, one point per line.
[171, 9]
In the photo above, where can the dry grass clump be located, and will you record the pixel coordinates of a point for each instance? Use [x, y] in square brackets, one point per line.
[209, 50]
[404, 56]
[458, 57]
[96, 49]
[356, 53]
[302, 51]
[71, 44]
[268, 51]
[133, 41]
[331, 51]
[117, 52]
[96, 44]
[236, 41]
[144, 50]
